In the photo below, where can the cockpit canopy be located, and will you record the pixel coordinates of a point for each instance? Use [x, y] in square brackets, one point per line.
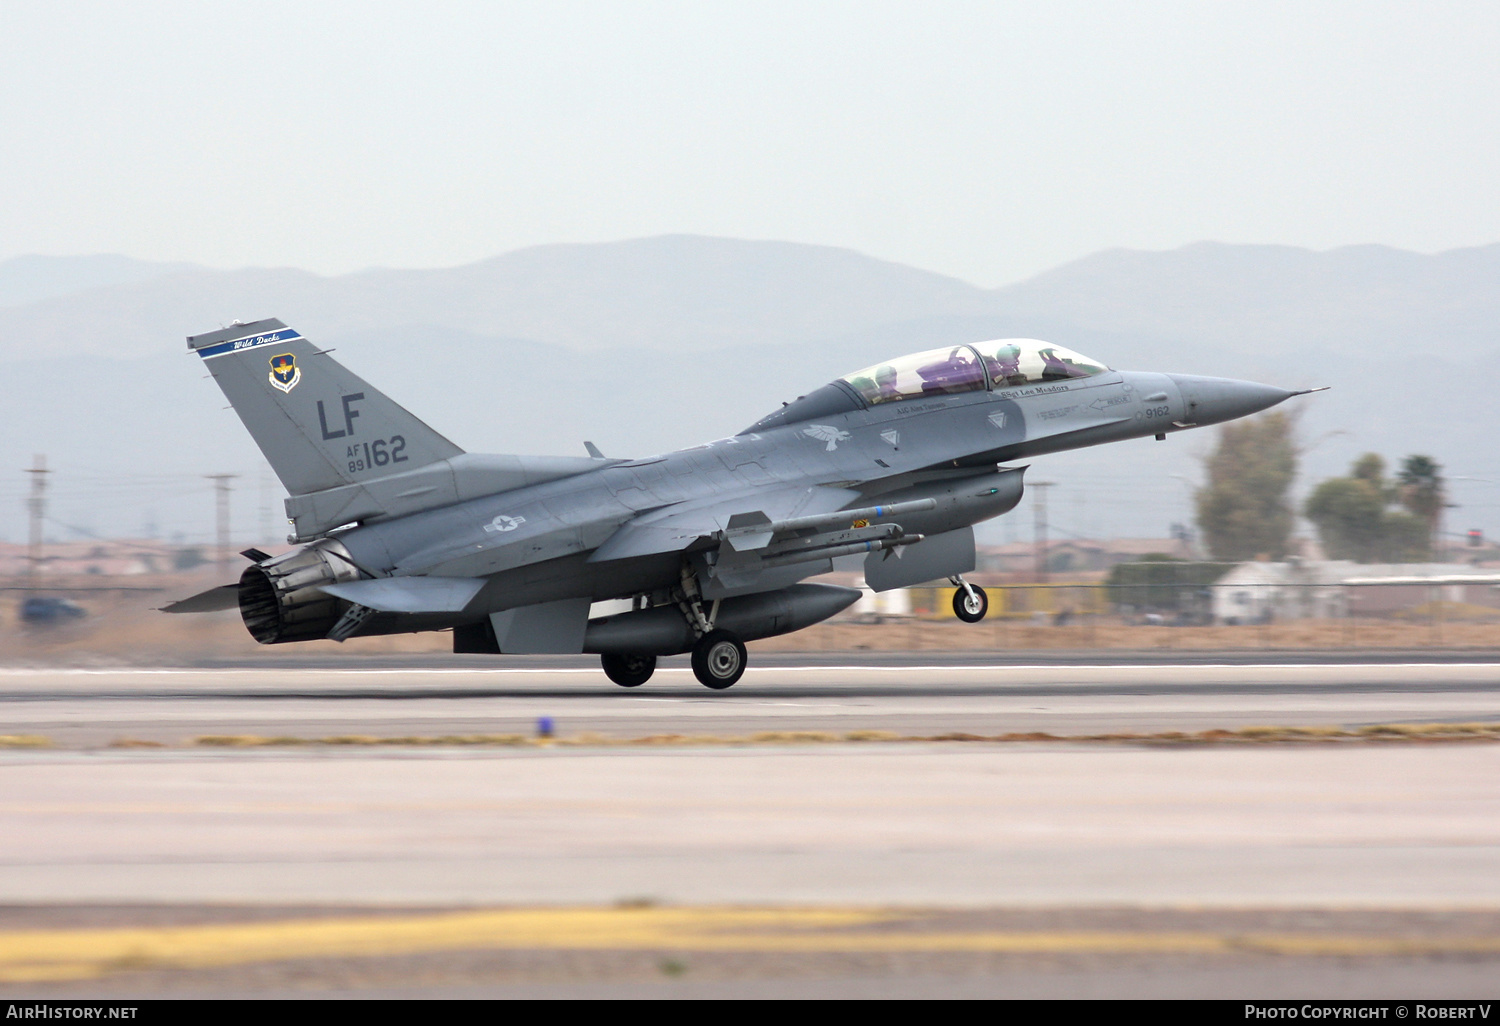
[1002, 363]
[998, 364]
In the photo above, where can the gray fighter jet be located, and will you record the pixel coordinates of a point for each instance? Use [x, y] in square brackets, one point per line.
[401, 530]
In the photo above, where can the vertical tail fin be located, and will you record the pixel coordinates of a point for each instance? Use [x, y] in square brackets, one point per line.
[318, 425]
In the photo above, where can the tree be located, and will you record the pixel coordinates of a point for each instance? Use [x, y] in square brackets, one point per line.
[1354, 520]
[1424, 493]
[1370, 467]
[1350, 516]
[1243, 511]
[1159, 581]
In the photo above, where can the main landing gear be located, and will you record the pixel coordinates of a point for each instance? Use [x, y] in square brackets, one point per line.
[628, 671]
[718, 655]
[970, 603]
[718, 660]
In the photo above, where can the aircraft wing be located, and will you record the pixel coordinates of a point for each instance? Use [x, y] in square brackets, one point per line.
[674, 529]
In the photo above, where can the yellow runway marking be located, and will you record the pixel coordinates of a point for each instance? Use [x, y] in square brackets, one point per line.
[39, 955]
[1385, 733]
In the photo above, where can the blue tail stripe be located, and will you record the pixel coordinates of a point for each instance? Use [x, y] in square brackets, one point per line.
[249, 342]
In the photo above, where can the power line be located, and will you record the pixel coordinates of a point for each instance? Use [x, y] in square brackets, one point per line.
[1039, 524]
[221, 487]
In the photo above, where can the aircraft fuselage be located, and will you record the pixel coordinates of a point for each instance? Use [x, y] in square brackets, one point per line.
[533, 544]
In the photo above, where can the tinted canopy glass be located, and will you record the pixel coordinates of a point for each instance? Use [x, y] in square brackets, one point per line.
[1009, 361]
[1027, 361]
[935, 372]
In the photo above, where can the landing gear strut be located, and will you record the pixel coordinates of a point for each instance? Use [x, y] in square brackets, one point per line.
[718, 656]
[628, 671]
[970, 603]
[718, 660]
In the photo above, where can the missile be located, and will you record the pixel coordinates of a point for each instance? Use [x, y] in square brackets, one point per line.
[834, 551]
[754, 530]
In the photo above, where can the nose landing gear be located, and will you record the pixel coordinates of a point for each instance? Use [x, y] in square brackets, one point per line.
[970, 603]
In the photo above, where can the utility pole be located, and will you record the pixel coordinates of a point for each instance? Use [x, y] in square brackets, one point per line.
[1039, 513]
[265, 504]
[221, 486]
[37, 505]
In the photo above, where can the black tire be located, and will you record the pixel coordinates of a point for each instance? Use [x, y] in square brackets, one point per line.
[628, 671]
[970, 608]
[718, 660]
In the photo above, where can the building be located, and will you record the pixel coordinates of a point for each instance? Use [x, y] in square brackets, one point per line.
[1074, 556]
[1329, 589]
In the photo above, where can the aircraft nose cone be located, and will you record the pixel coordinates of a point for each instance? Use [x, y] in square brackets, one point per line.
[1215, 400]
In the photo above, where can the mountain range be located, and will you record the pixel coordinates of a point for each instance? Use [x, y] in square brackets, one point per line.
[651, 344]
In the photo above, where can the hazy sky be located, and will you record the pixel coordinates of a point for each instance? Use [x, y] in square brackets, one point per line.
[986, 140]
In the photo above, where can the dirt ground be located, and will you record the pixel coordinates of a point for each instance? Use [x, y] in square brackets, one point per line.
[125, 626]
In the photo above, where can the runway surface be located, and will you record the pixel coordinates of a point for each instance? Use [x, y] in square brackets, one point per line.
[1392, 828]
[85, 708]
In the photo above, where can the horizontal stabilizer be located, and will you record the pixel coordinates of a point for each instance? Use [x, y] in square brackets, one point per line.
[409, 594]
[225, 596]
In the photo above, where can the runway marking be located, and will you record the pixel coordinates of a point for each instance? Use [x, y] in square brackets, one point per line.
[632, 808]
[41, 955]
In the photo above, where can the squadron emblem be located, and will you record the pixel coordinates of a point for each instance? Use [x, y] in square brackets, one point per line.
[284, 372]
[827, 433]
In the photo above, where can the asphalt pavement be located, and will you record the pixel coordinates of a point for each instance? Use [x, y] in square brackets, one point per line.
[664, 797]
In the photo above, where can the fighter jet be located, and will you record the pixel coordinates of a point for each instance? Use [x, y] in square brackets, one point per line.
[401, 530]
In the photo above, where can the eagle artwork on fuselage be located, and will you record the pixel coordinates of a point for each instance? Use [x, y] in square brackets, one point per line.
[401, 530]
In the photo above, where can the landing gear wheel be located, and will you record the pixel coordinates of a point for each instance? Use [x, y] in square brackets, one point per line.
[718, 660]
[628, 671]
[970, 606]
